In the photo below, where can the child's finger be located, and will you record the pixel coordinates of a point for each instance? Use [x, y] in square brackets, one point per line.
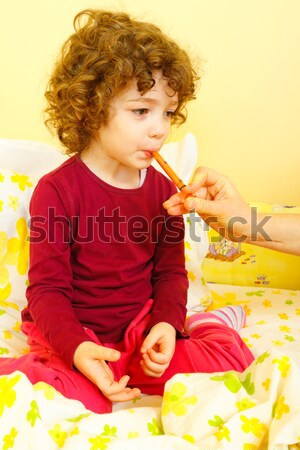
[151, 368]
[157, 357]
[125, 395]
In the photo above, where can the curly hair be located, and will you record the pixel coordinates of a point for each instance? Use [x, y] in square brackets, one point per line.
[106, 52]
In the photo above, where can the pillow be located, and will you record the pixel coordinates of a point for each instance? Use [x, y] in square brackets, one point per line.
[15, 192]
[32, 158]
[196, 247]
[251, 265]
[182, 156]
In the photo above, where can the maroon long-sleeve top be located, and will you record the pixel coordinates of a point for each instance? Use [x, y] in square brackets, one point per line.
[98, 253]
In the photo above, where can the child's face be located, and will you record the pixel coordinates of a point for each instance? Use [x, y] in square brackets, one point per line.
[138, 124]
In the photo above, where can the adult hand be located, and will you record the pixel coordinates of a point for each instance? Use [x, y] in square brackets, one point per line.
[214, 197]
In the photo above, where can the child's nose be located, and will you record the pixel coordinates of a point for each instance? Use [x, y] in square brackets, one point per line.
[158, 129]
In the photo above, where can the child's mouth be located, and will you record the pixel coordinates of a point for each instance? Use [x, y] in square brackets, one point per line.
[149, 153]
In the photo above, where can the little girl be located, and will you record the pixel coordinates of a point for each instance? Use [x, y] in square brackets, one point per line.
[108, 285]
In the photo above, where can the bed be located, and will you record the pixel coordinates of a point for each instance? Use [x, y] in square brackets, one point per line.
[256, 410]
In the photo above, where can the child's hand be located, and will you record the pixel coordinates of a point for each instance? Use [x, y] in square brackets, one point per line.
[158, 349]
[89, 358]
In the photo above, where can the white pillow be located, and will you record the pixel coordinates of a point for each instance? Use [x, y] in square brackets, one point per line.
[15, 193]
[181, 156]
[32, 158]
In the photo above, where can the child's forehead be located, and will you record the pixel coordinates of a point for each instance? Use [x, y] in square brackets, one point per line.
[161, 89]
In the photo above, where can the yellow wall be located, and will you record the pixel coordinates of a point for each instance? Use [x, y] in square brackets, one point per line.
[246, 117]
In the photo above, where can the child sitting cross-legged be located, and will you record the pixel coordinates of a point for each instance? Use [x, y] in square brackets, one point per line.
[107, 281]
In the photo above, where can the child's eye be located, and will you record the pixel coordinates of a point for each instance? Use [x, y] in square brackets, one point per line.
[140, 111]
[170, 114]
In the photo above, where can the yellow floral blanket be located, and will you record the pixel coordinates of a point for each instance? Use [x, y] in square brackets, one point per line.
[256, 410]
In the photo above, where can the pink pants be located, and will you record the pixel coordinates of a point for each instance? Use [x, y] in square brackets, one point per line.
[210, 348]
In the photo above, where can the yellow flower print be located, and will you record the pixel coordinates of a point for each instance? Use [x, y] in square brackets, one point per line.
[250, 447]
[267, 304]
[253, 426]
[49, 391]
[298, 312]
[283, 316]
[256, 336]
[191, 276]
[10, 255]
[4, 294]
[17, 326]
[7, 334]
[25, 350]
[189, 438]
[278, 343]
[133, 434]
[79, 418]
[260, 359]
[248, 310]
[247, 342]
[13, 203]
[229, 298]
[154, 428]
[283, 365]
[58, 435]
[20, 246]
[289, 338]
[261, 322]
[223, 433]
[74, 431]
[109, 431]
[187, 245]
[284, 328]
[33, 414]
[21, 180]
[7, 394]
[280, 408]
[175, 400]
[1, 205]
[266, 384]
[9, 439]
[99, 442]
[2, 177]
[4, 274]
[245, 403]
